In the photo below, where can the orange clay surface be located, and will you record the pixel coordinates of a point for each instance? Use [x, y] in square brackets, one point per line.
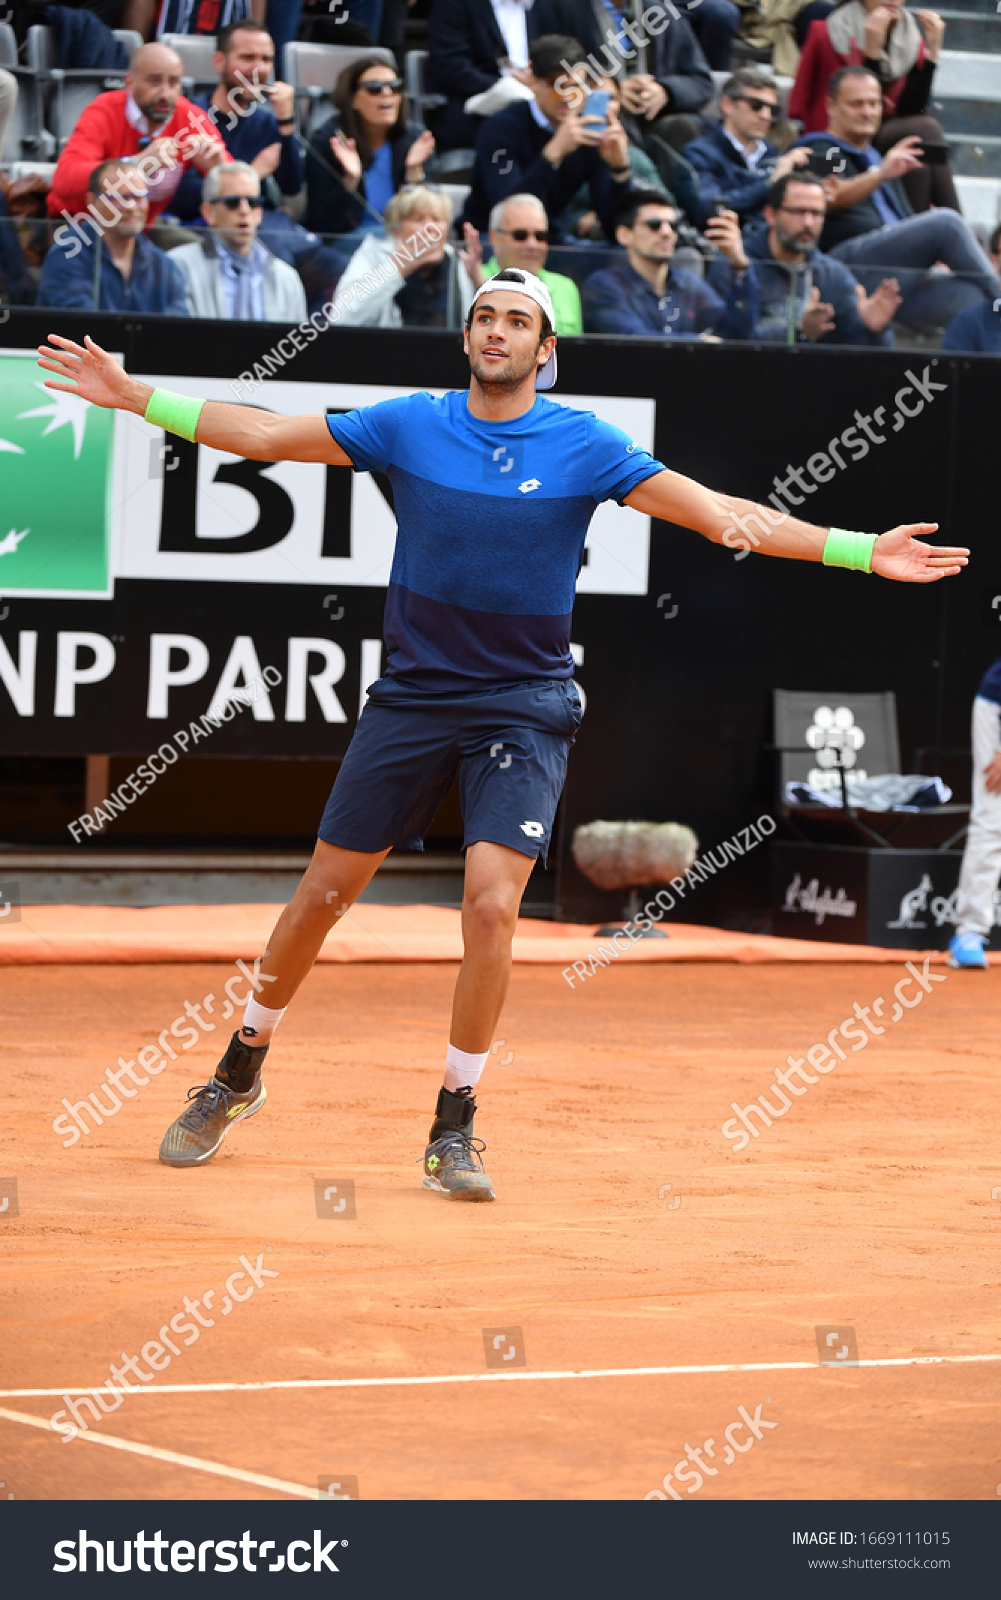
[867, 1206]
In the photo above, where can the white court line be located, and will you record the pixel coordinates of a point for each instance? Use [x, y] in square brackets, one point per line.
[172, 1457]
[508, 1377]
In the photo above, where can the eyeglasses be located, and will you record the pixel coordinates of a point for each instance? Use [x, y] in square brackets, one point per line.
[756, 104]
[381, 85]
[233, 202]
[803, 211]
[521, 234]
[125, 200]
[655, 223]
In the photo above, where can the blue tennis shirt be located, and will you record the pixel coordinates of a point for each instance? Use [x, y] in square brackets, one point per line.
[492, 518]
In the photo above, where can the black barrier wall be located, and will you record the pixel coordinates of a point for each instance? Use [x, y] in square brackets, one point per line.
[678, 677]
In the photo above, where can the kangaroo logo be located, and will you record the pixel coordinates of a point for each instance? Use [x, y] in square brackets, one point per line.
[913, 901]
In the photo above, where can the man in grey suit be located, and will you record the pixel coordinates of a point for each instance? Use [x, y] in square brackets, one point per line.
[230, 275]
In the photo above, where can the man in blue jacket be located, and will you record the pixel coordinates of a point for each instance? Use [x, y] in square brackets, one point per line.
[736, 162]
[546, 148]
[111, 265]
[978, 328]
[807, 297]
[256, 127]
[645, 294]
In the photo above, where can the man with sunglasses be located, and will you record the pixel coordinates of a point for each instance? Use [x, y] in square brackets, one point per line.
[230, 275]
[645, 293]
[736, 161]
[519, 237]
[120, 270]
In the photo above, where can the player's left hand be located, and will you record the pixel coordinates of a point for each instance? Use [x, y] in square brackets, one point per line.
[900, 554]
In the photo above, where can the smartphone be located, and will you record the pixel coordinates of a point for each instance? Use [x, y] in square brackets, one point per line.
[819, 164]
[596, 105]
[934, 155]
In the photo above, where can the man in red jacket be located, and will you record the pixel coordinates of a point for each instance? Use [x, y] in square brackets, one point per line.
[149, 119]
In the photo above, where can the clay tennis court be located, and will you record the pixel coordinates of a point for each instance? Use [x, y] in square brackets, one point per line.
[867, 1206]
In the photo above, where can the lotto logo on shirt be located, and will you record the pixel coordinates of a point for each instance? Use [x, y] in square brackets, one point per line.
[503, 462]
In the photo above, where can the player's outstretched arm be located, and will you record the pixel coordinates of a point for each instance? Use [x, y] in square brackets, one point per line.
[243, 430]
[743, 525]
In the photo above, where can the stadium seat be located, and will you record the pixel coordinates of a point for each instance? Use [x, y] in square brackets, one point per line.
[26, 135]
[313, 70]
[415, 76]
[32, 169]
[457, 165]
[131, 38]
[196, 52]
[457, 193]
[65, 92]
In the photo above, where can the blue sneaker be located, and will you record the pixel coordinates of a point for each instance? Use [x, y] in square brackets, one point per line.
[967, 950]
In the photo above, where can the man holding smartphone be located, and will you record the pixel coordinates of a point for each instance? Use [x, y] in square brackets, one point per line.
[550, 147]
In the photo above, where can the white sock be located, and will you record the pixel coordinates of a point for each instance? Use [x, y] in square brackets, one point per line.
[259, 1023]
[463, 1068]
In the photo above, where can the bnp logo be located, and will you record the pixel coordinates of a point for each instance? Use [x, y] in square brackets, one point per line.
[56, 465]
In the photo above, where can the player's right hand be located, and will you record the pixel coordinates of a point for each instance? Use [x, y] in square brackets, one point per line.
[93, 375]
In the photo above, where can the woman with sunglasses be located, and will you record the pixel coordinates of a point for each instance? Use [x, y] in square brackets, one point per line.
[364, 153]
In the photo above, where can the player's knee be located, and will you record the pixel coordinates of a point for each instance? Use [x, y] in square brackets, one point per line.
[490, 916]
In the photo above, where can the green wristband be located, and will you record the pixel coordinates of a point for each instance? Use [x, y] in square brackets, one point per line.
[175, 413]
[854, 550]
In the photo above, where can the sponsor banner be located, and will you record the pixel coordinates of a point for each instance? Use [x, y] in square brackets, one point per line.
[96, 496]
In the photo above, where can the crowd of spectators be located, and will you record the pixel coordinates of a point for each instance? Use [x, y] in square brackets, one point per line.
[588, 127]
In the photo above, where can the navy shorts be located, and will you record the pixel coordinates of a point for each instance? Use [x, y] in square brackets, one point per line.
[509, 748]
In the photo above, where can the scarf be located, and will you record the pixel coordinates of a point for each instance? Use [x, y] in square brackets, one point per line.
[904, 41]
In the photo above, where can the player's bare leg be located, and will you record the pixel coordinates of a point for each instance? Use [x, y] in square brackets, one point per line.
[331, 884]
[495, 882]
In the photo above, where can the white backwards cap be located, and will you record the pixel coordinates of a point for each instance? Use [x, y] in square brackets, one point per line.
[519, 281]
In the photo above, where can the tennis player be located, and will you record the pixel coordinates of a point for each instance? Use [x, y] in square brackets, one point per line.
[494, 490]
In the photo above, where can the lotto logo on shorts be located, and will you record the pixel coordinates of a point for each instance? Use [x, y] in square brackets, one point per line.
[534, 830]
[837, 1347]
[503, 462]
